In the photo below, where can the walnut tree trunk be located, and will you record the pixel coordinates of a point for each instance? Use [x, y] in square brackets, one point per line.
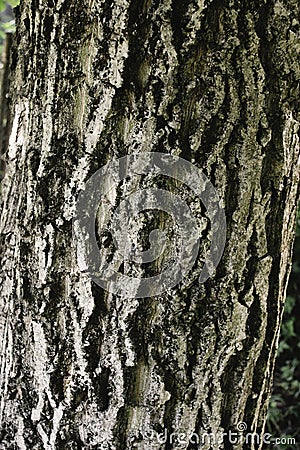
[215, 82]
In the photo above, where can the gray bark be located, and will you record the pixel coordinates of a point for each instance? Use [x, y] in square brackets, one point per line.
[214, 82]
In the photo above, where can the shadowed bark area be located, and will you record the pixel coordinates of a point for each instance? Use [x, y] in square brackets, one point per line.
[214, 82]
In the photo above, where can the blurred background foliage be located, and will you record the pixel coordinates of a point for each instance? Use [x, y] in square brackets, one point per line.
[284, 411]
[7, 27]
[7, 20]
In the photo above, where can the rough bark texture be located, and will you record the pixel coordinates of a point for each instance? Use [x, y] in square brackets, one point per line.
[216, 82]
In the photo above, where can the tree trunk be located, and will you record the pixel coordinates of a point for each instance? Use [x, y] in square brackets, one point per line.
[216, 83]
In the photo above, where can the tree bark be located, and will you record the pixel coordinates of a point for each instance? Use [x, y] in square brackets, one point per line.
[216, 83]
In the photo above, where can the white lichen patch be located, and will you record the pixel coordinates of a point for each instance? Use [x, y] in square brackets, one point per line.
[19, 435]
[41, 375]
[44, 239]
